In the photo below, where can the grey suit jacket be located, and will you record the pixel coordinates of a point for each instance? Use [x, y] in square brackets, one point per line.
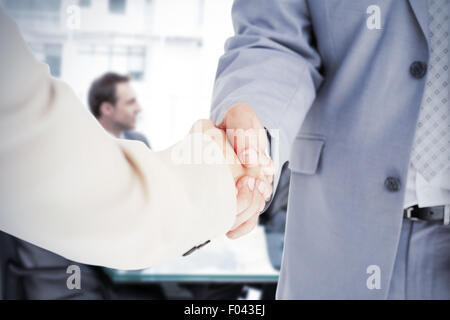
[346, 100]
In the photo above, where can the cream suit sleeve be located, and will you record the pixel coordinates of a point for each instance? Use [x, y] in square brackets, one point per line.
[69, 187]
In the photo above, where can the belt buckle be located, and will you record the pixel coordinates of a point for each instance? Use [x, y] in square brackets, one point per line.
[447, 215]
[409, 216]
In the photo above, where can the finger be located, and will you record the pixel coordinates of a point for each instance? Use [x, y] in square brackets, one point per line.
[268, 171]
[222, 124]
[246, 144]
[245, 187]
[245, 228]
[255, 207]
[264, 189]
[252, 157]
[269, 178]
[244, 129]
[248, 157]
[202, 125]
[266, 163]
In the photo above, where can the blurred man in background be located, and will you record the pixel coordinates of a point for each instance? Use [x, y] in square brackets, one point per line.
[113, 102]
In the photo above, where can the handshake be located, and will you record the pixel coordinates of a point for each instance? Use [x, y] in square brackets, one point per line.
[243, 141]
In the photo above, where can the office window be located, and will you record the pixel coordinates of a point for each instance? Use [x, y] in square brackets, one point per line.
[46, 11]
[48, 5]
[136, 62]
[129, 60]
[117, 6]
[50, 54]
[85, 3]
[33, 5]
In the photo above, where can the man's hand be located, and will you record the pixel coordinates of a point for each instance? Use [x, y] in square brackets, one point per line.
[237, 170]
[251, 178]
[248, 138]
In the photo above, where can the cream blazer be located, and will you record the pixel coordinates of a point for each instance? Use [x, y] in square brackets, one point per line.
[69, 187]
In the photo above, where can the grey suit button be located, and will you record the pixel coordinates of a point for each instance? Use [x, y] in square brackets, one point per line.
[418, 69]
[392, 184]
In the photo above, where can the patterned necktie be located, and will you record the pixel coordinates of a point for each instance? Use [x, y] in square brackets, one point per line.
[431, 149]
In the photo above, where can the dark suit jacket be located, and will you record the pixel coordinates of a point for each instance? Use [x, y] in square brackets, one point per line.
[134, 135]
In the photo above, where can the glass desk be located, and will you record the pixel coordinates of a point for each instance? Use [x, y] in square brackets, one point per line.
[244, 260]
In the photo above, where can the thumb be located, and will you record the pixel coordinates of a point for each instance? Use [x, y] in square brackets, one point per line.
[222, 125]
[248, 146]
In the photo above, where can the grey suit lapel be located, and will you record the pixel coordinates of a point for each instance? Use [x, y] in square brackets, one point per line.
[420, 9]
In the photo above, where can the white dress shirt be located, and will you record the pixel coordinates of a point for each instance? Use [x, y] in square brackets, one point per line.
[424, 193]
[427, 194]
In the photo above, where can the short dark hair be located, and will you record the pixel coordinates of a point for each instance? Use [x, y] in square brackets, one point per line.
[103, 89]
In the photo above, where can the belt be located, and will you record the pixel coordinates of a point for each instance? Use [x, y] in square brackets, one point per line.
[438, 214]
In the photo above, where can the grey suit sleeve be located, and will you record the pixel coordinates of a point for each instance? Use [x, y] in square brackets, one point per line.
[272, 65]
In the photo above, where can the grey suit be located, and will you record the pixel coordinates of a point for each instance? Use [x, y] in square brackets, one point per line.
[346, 99]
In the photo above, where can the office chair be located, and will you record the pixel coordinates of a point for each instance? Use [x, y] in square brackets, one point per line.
[11, 287]
[30, 272]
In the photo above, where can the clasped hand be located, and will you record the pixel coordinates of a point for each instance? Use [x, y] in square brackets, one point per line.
[243, 140]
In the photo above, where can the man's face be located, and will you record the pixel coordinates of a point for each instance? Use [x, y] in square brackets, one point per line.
[126, 108]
